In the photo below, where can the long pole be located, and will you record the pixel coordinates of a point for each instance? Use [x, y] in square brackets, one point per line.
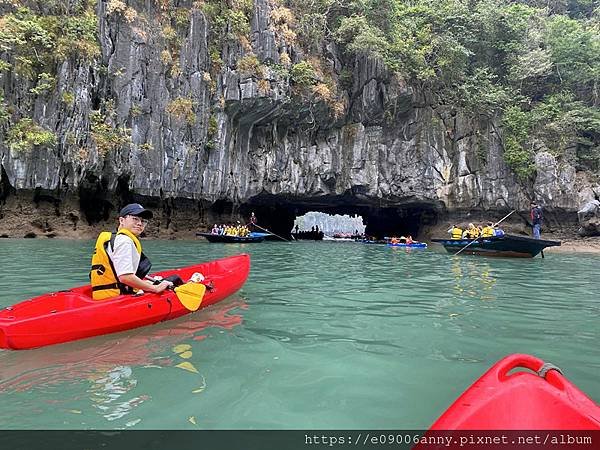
[286, 240]
[495, 225]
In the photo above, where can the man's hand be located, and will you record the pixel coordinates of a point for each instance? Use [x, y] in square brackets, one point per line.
[162, 286]
[132, 280]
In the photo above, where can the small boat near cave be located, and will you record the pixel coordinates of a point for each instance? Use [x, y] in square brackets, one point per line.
[405, 245]
[308, 235]
[225, 238]
[508, 245]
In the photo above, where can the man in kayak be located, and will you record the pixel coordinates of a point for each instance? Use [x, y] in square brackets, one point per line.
[118, 265]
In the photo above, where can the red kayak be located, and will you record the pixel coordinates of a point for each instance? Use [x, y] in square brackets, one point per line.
[542, 400]
[72, 314]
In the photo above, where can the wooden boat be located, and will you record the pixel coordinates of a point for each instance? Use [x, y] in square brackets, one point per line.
[308, 235]
[507, 245]
[224, 238]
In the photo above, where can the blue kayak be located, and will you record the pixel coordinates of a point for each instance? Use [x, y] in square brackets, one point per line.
[413, 245]
[256, 234]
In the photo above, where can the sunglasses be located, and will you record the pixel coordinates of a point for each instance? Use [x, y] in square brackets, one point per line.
[139, 220]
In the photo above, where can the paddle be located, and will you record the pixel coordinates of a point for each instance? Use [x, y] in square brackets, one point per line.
[189, 294]
[477, 238]
[286, 240]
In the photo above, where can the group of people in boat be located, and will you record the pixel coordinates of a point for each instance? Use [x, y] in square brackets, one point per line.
[473, 231]
[231, 230]
[403, 240]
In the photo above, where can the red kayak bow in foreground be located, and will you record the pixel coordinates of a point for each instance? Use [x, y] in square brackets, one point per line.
[506, 398]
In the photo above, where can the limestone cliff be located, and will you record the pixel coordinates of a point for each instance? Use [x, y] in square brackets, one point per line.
[157, 116]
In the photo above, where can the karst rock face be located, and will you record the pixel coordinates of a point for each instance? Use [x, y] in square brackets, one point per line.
[161, 121]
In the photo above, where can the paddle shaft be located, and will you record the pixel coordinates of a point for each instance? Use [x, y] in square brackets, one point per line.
[149, 278]
[495, 225]
[505, 217]
[286, 240]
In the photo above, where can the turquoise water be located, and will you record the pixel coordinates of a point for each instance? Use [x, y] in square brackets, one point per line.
[323, 335]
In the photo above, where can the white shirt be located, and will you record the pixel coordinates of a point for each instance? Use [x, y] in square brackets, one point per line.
[125, 257]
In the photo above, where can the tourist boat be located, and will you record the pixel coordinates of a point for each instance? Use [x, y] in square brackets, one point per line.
[72, 314]
[521, 392]
[308, 235]
[230, 239]
[506, 245]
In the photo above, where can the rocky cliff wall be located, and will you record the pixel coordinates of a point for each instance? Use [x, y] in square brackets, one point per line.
[157, 119]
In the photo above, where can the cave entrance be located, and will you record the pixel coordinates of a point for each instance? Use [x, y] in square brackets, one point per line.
[279, 214]
[330, 224]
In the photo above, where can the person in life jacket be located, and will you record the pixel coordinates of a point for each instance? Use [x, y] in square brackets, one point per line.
[118, 263]
[472, 232]
[488, 230]
[455, 232]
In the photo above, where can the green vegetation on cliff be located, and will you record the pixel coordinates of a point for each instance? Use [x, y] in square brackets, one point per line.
[534, 63]
[37, 42]
[531, 65]
[25, 135]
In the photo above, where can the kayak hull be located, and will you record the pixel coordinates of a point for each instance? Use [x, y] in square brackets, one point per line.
[70, 315]
[506, 399]
[415, 245]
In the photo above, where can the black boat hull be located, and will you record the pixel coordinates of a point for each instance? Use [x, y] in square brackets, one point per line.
[223, 238]
[505, 246]
[308, 235]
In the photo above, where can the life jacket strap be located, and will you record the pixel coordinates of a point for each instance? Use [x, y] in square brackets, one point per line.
[100, 268]
[105, 286]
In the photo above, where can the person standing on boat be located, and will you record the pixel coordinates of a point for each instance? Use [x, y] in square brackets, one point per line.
[536, 220]
[252, 222]
[118, 264]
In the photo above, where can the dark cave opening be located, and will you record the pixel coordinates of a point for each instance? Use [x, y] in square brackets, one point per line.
[5, 187]
[92, 199]
[278, 214]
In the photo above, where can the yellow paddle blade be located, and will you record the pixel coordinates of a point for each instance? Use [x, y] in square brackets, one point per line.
[187, 366]
[182, 348]
[190, 295]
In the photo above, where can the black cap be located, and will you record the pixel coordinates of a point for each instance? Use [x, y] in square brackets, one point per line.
[135, 209]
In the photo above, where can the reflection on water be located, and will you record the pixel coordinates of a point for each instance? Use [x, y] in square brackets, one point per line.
[414, 328]
[108, 388]
[110, 365]
[473, 279]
